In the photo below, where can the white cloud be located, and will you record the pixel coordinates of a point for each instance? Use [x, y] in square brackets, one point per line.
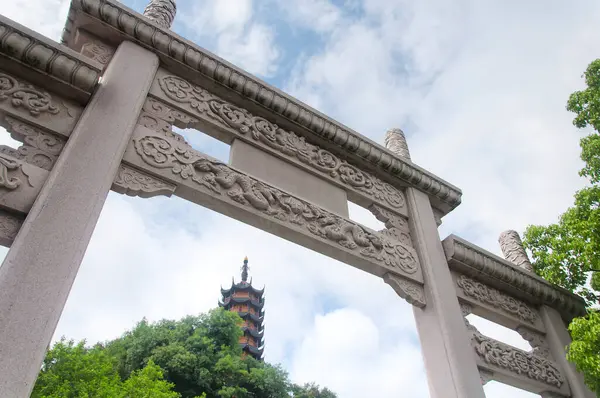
[230, 28]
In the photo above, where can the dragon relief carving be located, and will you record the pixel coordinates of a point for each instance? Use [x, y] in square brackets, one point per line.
[40, 148]
[512, 248]
[219, 179]
[23, 95]
[286, 142]
[496, 298]
[517, 361]
[132, 182]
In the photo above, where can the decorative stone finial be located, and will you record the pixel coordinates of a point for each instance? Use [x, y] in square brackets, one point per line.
[395, 141]
[245, 270]
[512, 248]
[162, 12]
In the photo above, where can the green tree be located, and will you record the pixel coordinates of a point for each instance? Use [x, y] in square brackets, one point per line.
[311, 390]
[567, 253]
[72, 371]
[195, 357]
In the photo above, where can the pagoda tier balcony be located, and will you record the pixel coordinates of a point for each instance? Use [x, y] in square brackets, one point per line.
[242, 287]
[253, 332]
[254, 318]
[254, 351]
[258, 305]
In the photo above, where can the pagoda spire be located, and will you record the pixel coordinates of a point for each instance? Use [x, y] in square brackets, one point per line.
[245, 269]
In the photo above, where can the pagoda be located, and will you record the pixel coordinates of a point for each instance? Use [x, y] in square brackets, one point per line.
[248, 302]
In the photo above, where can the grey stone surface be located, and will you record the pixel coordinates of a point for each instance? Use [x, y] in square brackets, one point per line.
[287, 177]
[512, 248]
[39, 269]
[194, 63]
[213, 184]
[449, 361]
[47, 63]
[558, 338]
[162, 12]
[192, 106]
[20, 183]
[395, 141]
[471, 260]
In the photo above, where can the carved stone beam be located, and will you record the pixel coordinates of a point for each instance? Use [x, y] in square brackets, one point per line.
[468, 259]
[10, 224]
[132, 182]
[191, 106]
[26, 103]
[20, 184]
[39, 148]
[46, 63]
[496, 305]
[512, 248]
[211, 183]
[521, 369]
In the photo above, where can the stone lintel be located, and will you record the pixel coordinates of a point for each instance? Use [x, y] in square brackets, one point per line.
[213, 184]
[113, 22]
[46, 63]
[473, 261]
[287, 177]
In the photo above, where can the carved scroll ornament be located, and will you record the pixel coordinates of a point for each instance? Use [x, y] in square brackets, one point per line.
[23, 95]
[278, 139]
[40, 149]
[496, 298]
[517, 361]
[132, 182]
[98, 52]
[219, 179]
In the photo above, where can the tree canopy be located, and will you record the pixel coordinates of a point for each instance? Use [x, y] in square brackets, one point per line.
[195, 357]
[567, 252]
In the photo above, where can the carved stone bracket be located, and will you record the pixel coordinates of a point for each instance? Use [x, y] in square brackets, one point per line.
[465, 310]
[132, 182]
[169, 156]
[412, 292]
[10, 225]
[518, 362]
[208, 107]
[40, 148]
[484, 294]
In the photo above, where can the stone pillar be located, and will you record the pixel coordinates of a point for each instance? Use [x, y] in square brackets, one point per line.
[449, 360]
[558, 339]
[162, 12]
[512, 248]
[39, 269]
[395, 141]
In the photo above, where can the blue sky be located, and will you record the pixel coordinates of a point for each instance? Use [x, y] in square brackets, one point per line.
[478, 86]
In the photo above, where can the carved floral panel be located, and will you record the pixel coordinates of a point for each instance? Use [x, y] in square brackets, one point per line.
[170, 151]
[519, 362]
[497, 299]
[262, 132]
[39, 148]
